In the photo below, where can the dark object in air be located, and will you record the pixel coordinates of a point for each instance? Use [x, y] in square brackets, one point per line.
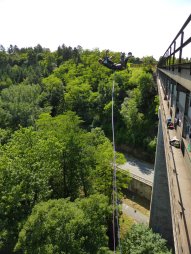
[107, 62]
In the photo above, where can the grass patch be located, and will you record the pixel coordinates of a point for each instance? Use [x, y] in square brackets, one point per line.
[141, 204]
[126, 223]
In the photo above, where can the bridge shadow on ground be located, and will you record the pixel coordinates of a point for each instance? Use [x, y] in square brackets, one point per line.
[134, 198]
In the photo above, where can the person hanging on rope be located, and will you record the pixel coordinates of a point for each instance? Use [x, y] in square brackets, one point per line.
[106, 61]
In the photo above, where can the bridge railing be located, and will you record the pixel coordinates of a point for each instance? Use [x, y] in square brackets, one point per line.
[178, 56]
[134, 176]
[141, 179]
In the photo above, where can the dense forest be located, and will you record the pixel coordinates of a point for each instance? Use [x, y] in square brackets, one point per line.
[56, 149]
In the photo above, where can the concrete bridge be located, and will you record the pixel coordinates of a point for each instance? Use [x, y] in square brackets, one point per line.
[171, 195]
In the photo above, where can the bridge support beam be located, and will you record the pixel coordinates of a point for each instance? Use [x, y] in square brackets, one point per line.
[160, 217]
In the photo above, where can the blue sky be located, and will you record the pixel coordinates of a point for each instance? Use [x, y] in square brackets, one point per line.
[144, 27]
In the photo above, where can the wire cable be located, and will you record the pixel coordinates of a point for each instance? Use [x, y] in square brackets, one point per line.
[115, 196]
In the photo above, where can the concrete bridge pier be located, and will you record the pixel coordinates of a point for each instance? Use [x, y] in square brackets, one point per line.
[160, 216]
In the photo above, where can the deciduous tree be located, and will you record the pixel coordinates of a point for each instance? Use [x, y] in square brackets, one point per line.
[140, 239]
[60, 226]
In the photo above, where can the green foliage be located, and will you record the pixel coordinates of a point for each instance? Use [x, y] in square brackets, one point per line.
[5, 82]
[60, 226]
[134, 79]
[72, 79]
[140, 239]
[53, 93]
[147, 91]
[26, 165]
[77, 98]
[152, 145]
[138, 111]
[5, 135]
[19, 105]
[149, 60]
[56, 159]
[134, 120]
[157, 104]
[55, 142]
[76, 158]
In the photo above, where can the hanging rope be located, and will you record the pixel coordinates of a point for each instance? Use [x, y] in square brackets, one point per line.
[115, 196]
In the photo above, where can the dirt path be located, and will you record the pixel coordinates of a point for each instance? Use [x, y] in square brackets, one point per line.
[135, 214]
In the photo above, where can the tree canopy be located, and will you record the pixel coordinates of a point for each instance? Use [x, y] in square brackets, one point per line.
[56, 154]
[55, 159]
[141, 240]
[35, 80]
[61, 226]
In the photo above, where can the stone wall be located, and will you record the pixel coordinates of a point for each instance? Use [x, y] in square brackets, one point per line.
[140, 188]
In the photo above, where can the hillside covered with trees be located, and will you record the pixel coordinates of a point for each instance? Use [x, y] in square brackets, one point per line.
[56, 151]
[35, 81]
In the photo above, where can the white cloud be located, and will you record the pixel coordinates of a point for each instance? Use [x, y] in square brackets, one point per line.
[143, 27]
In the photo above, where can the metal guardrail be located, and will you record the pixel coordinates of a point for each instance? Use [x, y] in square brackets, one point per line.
[139, 178]
[169, 60]
[142, 65]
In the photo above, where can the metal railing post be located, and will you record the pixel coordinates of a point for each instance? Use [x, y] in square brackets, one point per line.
[180, 52]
